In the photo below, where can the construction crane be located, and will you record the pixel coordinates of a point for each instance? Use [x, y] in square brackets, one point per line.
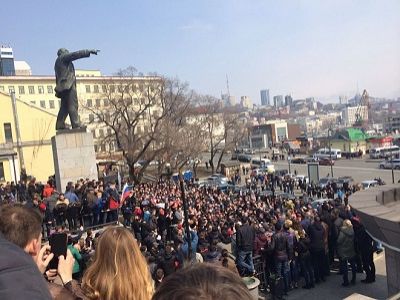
[364, 101]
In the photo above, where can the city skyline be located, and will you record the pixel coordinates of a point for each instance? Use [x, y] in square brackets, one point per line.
[302, 48]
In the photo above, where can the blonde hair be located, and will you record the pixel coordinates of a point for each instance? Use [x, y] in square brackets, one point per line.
[347, 223]
[119, 270]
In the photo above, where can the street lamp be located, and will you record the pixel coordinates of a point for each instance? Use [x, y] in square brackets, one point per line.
[391, 162]
[330, 152]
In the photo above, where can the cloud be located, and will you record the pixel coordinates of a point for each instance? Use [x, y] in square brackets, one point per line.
[197, 25]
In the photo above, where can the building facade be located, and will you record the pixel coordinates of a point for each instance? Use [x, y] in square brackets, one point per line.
[278, 101]
[349, 114]
[246, 102]
[7, 67]
[392, 124]
[265, 100]
[93, 90]
[29, 147]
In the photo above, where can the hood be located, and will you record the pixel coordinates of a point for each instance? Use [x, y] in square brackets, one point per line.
[347, 231]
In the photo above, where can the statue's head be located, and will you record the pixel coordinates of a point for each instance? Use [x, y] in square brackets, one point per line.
[62, 51]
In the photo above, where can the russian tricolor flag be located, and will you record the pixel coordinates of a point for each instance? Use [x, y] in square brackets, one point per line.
[125, 192]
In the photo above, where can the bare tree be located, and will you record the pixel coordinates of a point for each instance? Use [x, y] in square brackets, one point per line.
[135, 110]
[233, 134]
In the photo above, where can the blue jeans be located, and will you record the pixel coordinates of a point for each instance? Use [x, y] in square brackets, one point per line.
[245, 260]
[282, 269]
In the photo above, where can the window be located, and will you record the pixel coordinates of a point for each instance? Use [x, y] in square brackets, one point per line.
[59, 103]
[1, 88]
[106, 102]
[50, 89]
[108, 131]
[87, 87]
[42, 104]
[31, 89]
[112, 88]
[103, 148]
[91, 118]
[33, 102]
[112, 146]
[40, 89]
[104, 88]
[11, 89]
[96, 148]
[98, 104]
[94, 133]
[89, 103]
[51, 103]
[101, 132]
[8, 132]
[21, 90]
[95, 88]
[107, 116]
[2, 172]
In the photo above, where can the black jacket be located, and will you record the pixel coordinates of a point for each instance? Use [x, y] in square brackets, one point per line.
[245, 238]
[316, 234]
[19, 276]
[280, 246]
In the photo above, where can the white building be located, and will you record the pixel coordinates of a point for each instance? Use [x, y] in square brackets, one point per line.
[246, 102]
[349, 114]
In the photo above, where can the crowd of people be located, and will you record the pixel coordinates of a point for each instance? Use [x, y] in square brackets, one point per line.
[295, 243]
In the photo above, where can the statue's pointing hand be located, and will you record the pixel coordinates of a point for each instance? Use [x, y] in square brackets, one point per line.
[94, 51]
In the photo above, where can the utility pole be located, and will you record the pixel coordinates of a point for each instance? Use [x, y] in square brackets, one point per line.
[330, 150]
[186, 215]
[391, 162]
[17, 131]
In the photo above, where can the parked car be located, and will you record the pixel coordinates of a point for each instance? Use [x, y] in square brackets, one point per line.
[324, 181]
[318, 202]
[326, 162]
[298, 160]
[248, 151]
[344, 180]
[244, 158]
[366, 184]
[311, 159]
[217, 179]
[387, 164]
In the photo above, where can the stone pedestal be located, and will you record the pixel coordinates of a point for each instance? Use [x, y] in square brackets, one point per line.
[392, 271]
[74, 157]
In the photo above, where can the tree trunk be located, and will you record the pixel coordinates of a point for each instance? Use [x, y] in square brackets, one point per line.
[220, 159]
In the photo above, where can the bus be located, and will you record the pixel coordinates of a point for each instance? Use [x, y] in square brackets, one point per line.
[325, 153]
[384, 152]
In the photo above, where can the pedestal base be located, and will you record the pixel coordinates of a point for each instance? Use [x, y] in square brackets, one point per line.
[73, 156]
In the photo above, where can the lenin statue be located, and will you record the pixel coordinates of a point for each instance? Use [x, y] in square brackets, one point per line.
[66, 86]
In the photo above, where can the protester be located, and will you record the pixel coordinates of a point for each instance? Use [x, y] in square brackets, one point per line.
[346, 252]
[118, 270]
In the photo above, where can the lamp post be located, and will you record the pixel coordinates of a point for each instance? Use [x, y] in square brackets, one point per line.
[391, 162]
[330, 152]
[186, 215]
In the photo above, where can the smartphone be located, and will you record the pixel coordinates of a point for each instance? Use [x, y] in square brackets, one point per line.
[58, 244]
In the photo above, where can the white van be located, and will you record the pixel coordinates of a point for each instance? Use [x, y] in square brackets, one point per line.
[262, 163]
[258, 163]
[325, 153]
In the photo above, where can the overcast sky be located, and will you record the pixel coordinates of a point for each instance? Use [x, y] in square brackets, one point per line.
[304, 48]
